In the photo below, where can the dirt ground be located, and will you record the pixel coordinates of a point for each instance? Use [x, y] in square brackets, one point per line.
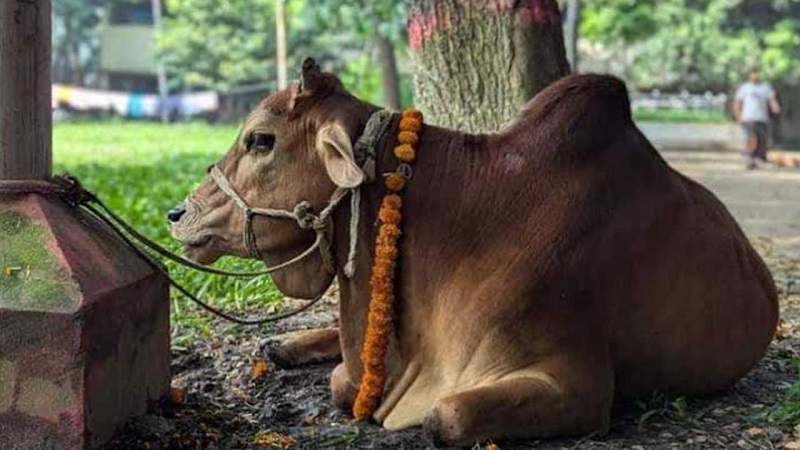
[226, 407]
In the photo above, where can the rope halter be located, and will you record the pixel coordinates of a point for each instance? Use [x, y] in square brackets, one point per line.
[302, 215]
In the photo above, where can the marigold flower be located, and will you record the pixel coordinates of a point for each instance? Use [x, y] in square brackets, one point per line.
[395, 182]
[386, 252]
[392, 201]
[404, 153]
[390, 216]
[380, 316]
[408, 137]
[391, 231]
[410, 124]
[412, 113]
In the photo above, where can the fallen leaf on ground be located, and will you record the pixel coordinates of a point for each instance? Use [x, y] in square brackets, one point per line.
[793, 445]
[177, 395]
[492, 446]
[275, 439]
[782, 330]
[260, 369]
[754, 432]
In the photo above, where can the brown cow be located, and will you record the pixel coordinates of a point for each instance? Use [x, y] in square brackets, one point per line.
[545, 270]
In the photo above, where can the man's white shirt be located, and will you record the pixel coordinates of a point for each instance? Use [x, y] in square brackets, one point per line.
[755, 101]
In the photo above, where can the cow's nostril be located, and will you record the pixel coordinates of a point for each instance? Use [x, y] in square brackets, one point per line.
[175, 214]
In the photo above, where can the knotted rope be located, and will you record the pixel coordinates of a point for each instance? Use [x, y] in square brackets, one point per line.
[69, 189]
[321, 224]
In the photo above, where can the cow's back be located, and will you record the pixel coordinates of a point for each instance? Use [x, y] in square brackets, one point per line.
[688, 304]
[692, 305]
[569, 233]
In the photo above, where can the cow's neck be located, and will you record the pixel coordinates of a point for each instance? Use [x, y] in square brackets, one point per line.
[439, 155]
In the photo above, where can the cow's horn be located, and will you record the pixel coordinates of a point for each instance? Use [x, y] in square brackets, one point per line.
[310, 74]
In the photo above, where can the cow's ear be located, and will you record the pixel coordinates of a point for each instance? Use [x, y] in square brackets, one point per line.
[336, 150]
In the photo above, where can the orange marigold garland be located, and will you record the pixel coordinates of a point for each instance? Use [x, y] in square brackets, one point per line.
[405, 153]
[380, 316]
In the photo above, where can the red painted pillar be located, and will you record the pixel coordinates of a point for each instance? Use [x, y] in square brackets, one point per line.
[84, 322]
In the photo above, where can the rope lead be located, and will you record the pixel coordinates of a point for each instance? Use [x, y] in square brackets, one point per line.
[69, 190]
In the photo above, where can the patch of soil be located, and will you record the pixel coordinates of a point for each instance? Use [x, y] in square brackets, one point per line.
[228, 406]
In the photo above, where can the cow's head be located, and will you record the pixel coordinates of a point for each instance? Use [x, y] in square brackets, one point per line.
[296, 146]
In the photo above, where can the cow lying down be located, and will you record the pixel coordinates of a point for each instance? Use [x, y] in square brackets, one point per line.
[544, 271]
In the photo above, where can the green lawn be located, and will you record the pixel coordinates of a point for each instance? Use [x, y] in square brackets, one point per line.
[141, 170]
[679, 115]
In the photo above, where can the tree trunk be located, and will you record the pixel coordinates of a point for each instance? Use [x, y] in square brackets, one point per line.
[391, 83]
[280, 42]
[477, 62]
[572, 19]
[25, 90]
[74, 59]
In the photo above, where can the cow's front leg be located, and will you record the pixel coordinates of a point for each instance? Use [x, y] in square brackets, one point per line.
[551, 400]
[343, 389]
[304, 347]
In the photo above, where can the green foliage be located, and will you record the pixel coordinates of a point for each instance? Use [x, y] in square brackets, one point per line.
[787, 412]
[212, 44]
[141, 171]
[659, 405]
[354, 26]
[220, 45]
[361, 77]
[695, 44]
[362, 18]
[618, 21]
[782, 47]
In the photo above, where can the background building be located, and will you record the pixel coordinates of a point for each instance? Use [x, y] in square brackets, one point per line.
[127, 48]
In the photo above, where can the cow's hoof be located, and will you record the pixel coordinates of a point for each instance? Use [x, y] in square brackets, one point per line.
[343, 391]
[432, 425]
[443, 426]
[280, 357]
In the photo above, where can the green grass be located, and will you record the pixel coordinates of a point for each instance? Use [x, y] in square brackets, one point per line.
[787, 411]
[141, 170]
[679, 115]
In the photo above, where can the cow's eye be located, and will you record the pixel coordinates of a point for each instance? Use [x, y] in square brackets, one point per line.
[260, 142]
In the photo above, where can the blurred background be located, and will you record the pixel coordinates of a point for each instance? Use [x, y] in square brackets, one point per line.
[148, 92]
[681, 58]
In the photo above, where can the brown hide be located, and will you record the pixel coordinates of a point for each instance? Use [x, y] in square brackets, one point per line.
[558, 263]
[543, 271]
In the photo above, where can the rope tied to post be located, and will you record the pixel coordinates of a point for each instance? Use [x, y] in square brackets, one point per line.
[69, 190]
[72, 192]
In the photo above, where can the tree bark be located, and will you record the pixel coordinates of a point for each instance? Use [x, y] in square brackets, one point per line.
[75, 66]
[572, 19]
[280, 42]
[477, 62]
[391, 82]
[25, 99]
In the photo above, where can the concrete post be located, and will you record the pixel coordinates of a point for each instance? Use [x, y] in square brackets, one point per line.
[84, 321]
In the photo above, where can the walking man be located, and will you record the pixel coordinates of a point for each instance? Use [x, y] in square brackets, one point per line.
[755, 100]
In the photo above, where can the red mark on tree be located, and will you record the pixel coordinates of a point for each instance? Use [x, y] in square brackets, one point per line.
[540, 12]
[496, 6]
[422, 26]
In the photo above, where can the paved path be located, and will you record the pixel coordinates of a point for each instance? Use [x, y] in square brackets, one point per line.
[765, 202]
[693, 136]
